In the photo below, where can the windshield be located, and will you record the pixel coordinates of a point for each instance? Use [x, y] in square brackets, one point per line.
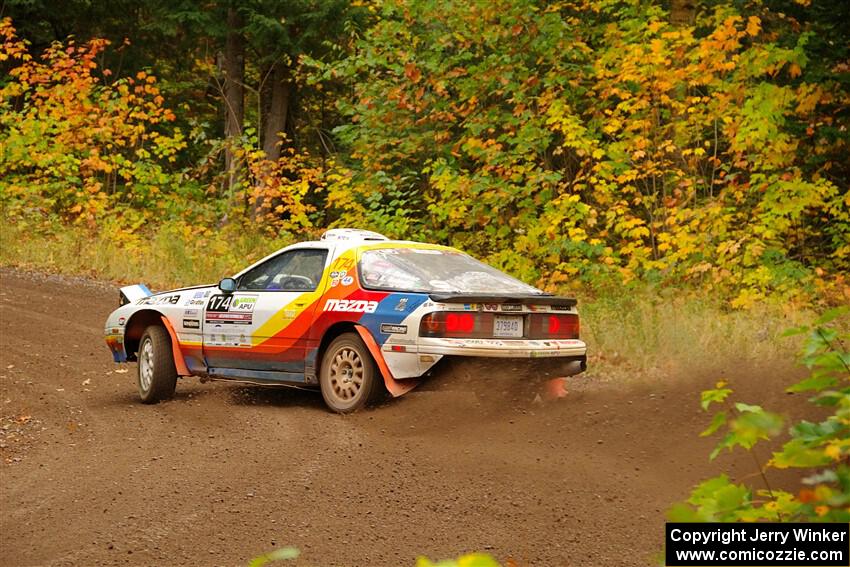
[434, 271]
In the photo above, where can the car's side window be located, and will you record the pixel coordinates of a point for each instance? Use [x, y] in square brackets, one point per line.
[296, 270]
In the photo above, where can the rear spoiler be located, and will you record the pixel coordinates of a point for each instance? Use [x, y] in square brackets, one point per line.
[524, 299]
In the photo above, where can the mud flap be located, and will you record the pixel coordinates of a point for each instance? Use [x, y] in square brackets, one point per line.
[179, 361]
[395, 387]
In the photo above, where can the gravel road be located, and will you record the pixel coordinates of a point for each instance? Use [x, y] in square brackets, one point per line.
[222, 473]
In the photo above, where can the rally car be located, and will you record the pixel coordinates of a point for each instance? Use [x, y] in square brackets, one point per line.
[353, 314]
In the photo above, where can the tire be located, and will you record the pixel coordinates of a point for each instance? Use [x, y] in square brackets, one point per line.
[157, 377]
[344, 362]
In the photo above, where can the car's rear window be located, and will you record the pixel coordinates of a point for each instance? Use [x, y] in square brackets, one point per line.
[434, 271]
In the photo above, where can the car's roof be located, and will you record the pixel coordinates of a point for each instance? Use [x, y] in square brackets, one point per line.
[342, 240]
[347, 238]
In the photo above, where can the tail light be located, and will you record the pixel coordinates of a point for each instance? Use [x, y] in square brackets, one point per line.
[554, 326]
[480, 325]
[456, 324]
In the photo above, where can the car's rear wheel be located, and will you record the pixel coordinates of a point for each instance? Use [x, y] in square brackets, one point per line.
[348, 376]
[157, 374]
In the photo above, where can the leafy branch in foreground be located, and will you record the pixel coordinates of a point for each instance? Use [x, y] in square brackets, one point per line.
[282, 554]
[821, 449]
[470, 560]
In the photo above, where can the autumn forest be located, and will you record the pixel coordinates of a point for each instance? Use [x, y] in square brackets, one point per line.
[680, 166]
[587, 144]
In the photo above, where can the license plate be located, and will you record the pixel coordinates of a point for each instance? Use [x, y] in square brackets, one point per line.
[507, 326]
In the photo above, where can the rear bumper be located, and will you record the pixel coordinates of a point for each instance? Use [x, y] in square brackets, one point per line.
[507, 348]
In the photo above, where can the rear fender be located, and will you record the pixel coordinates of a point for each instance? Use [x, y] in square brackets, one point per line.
[395, 387]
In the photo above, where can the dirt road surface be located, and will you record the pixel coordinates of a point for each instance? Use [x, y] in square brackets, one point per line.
[222, 473]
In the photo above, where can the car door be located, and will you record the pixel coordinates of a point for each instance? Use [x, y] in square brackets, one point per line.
[263, 326]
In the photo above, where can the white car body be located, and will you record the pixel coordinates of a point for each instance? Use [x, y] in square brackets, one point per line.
[274, 331]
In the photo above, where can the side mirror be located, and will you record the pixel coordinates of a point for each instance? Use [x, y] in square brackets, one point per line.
[227, 285]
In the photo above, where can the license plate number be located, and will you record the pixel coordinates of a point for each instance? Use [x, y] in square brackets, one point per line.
[507, 326]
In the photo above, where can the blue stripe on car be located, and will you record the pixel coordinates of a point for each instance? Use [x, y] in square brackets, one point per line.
[393, 309]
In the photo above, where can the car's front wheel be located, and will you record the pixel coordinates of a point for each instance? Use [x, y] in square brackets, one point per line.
[348, 376]
[157, 374]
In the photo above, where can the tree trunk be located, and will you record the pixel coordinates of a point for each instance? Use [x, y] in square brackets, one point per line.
[277, 110]
[275, 94]
[234, 91]
[683, 12]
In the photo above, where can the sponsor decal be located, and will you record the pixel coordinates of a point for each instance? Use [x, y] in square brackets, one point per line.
[561, 308]
[402, 304]
[217, 317]
[470, 307]
[543, 353]
[347, 280]
[390, 329]
[511, 307]
[191, 324]
[160, 300]
[491, 307]
[334, 282]
[334, 274]
[351, 306]
[197, 299]
[191, 313]
[243, 303]
[121, 321]
[479, 342]
[228, 340]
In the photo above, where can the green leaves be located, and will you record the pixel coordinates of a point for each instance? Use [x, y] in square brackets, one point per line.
[814, 383]
[822, 447]
[718, 421]
[714, 500]
[717, 395]
[750, 425]
[800, 453]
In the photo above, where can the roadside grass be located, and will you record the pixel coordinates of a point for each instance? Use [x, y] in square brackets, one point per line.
[672, 332]
[171, 256]
[634, 331]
